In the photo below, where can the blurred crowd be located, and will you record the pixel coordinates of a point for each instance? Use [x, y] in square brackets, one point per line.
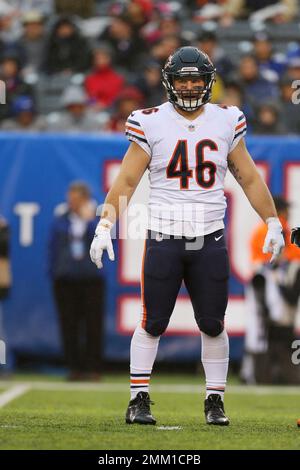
[84, 65]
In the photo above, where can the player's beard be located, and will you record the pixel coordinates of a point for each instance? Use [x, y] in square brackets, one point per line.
[190, 100]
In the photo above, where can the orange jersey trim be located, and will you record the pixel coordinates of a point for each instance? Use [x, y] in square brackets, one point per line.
[135, 130]
[240, 125]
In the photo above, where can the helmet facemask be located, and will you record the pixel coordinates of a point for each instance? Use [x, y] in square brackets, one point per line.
[189, 100]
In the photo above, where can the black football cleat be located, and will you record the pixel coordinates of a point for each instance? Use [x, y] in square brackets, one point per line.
[138, 410]
[214, 410]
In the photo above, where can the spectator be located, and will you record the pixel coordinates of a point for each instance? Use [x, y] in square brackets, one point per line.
[67, 51]
[268, 120]
[168, 24]
[293, 50]
[289, 114]
[126, 42]
[33, 41]
[75, 116]
[24, 116]
[139, 12]
[233, 95]
[10, 31]
[271, 66]
[256, 88]
[208, 43]
[10, 27]
[162, 49]
[104, 84]
[149, 83]
[78, 286]
[129, 99]
[15, 85]
[293, 68]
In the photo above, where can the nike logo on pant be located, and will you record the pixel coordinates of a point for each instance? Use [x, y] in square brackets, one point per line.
[218, 238]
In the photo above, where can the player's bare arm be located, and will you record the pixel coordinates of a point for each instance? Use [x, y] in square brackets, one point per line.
[246, 174]
[134, 165]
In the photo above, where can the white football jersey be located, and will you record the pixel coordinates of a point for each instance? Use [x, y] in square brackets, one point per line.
[188, 165]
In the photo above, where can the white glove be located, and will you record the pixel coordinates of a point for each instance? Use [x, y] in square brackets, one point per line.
[274, 241]
[102, 241]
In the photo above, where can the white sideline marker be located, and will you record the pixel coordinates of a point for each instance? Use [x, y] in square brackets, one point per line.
[14, 392]
[169, 428]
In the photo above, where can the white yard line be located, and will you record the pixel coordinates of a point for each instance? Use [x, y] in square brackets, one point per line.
[12, 393]
[21, 387]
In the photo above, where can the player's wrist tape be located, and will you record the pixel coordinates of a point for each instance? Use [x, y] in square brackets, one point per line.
[274, 223]
[105, 223]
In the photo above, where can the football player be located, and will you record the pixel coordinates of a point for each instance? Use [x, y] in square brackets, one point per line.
[187, 144]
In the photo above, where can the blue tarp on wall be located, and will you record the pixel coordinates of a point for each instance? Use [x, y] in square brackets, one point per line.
[37, 169]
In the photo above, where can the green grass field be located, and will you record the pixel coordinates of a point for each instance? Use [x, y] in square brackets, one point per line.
[52, 414]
